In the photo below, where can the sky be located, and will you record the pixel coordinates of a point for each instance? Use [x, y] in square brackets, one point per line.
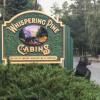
[47, 4]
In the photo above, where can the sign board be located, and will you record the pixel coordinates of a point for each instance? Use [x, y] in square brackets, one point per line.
[32, 37]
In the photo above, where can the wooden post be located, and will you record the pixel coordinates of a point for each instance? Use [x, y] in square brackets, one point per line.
[0, 45]
[36, 5]
[68, 61]
[4, 5]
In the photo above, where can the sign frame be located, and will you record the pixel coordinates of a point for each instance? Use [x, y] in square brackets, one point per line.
[25, 60]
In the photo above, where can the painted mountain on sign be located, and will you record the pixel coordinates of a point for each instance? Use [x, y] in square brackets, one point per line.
[33, 35]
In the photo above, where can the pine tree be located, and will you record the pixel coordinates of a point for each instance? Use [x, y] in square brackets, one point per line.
[16, 6]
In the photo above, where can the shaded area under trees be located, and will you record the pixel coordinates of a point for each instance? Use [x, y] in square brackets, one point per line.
[83, 17]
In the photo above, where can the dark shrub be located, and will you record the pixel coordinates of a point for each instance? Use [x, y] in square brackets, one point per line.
[44, 82]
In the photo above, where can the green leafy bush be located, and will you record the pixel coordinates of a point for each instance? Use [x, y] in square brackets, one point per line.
[45, 82]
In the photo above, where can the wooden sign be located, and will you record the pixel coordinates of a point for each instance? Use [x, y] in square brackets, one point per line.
[32, 37]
